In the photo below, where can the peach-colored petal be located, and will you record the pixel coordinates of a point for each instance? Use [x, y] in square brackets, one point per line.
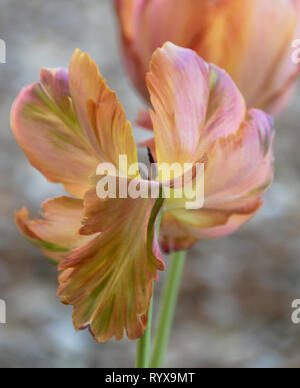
[109, 281]
[129, 13]
[177, 235]
[45, 126]
[64, 144]
[174, 235]
[226, 108]
[100, 115]
[251, 40]
[267, 54]
[58, 232]
[236, 147]
[237, 151]
[225, 111]
[179, 87]
[147, 25]
[194, 104]
[85, 87]
[234, 223]
[240, 167]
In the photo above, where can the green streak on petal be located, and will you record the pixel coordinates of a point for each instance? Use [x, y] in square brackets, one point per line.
[260, 189]
[46, 245]
[69, 120]
[51, 261]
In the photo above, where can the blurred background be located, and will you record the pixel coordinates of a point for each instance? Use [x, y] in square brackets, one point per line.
[235, 301]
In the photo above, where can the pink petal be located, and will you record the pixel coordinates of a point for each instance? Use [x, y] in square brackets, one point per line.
[178, 83]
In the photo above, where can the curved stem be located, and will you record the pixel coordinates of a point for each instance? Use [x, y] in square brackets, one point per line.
[144, 343]
[167, 310]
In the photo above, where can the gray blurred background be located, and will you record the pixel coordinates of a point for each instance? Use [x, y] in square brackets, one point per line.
[235, 302]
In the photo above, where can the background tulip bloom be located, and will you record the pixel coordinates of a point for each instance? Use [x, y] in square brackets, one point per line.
[107, 249]
[250, 39]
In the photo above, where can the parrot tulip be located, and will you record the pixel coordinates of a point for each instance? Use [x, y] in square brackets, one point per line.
[107, 249]
[250, 39]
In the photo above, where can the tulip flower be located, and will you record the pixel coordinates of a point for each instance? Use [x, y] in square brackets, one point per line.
[250, 39]
[106, 249]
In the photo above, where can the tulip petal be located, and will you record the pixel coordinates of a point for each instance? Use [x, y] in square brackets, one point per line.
[100, 115]
[109, 281]
[226, 108]
[239, 167]
[267, 54]
[174, 235]
[177, 235]
[147, 25]
[129, 12]
[238, 170]
[194, 104]
[251, 40]
[45, 124]
[178, 83]
[46, 128]
[58, 232]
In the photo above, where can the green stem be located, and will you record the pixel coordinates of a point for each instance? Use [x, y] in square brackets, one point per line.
[143, 349]
[144, 343]
[167, 310]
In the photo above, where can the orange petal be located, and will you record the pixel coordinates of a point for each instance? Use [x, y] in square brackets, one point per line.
[68, 124]
[179, 87]
[226, 108]
[177, 235]
[174, 235]
[195, 103]
[96, 277]
[147, 25]
[45, 126]
[251, 40]
[268, 36]
[240, 167]
[100, 115]
[58, 232]
[128, 12]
